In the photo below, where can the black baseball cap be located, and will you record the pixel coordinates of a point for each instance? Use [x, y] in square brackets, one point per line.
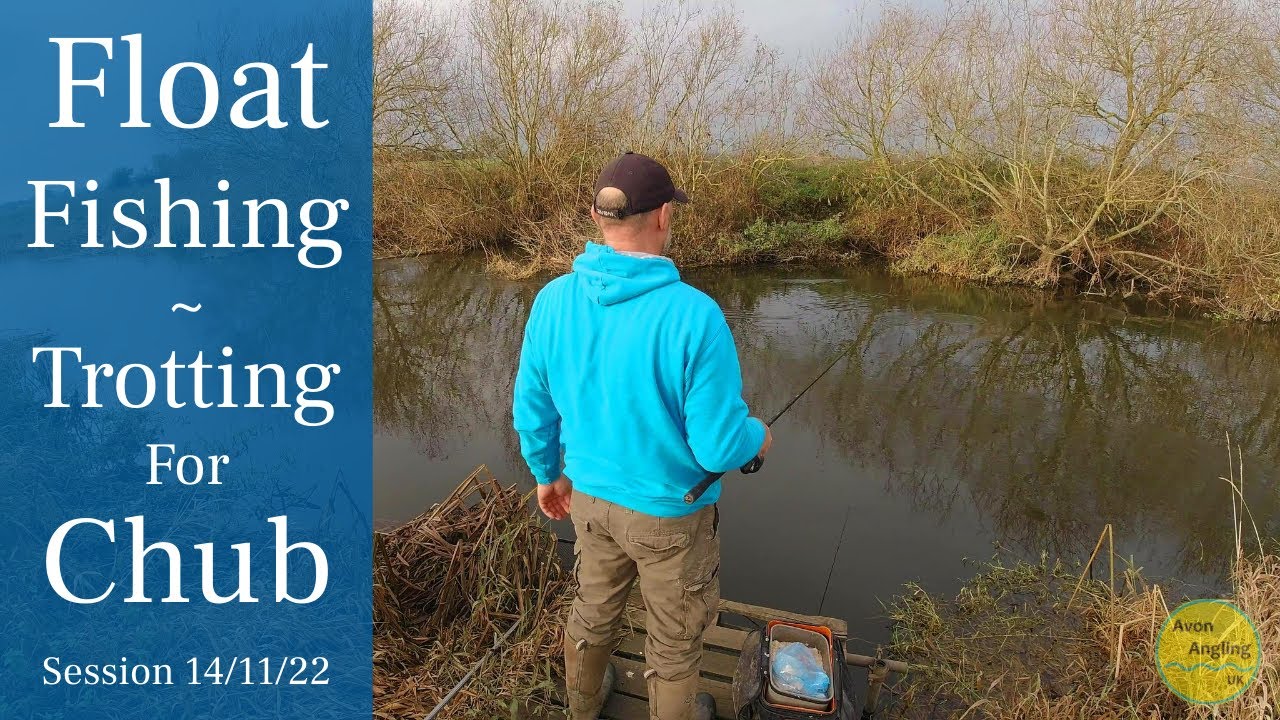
[645, 182]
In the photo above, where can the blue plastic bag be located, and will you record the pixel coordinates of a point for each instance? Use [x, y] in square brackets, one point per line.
[796, 671]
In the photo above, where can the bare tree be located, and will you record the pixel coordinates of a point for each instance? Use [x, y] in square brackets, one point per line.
[861, 91]
[413, 74]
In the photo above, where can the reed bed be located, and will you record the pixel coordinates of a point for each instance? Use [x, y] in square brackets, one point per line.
[1034, 641]
[450, 582]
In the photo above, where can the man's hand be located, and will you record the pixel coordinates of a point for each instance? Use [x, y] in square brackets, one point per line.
[554, 498]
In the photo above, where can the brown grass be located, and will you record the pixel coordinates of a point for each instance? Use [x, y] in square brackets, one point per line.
[434, 204]
[1009, 646]
[450, 582]
[1041, 642]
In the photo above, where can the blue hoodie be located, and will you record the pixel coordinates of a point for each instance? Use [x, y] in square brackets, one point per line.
[634, 377]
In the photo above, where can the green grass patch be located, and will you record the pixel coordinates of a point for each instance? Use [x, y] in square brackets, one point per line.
[803, 190]
[979, 254]
[789, 239]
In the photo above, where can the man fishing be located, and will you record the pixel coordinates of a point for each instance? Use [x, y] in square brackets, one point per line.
[633, 376]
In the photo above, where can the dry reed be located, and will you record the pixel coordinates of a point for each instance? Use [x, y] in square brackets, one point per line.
[450, 582]
[1036, 642]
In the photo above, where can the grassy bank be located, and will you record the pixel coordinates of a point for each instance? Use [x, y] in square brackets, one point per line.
[1223, 258]
[1126, 146]
[1014, 644]
[1031, 641]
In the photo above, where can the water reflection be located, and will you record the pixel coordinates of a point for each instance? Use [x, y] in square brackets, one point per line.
[962, 417]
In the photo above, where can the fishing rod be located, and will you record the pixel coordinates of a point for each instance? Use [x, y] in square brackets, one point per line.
[497, 642]
[757, 462]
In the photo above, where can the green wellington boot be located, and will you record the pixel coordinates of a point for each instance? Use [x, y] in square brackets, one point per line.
[669, 700]
[589, 678]
[704, 707]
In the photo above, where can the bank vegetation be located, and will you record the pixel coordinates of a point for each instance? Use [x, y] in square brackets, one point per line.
[1013, 646]
[449, 585]
[1046, 640]
[1022, 640]
[1125, 146]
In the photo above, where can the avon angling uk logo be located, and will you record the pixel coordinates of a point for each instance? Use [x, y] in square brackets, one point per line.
[1208, 651]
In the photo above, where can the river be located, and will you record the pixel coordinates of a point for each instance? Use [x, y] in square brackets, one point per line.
[966, 421]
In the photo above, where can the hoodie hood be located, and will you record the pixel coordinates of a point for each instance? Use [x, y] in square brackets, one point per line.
[609, 277]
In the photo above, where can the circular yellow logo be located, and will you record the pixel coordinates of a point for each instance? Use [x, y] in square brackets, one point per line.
[1208, 651]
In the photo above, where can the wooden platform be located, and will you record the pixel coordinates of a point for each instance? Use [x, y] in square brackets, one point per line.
[722, 644]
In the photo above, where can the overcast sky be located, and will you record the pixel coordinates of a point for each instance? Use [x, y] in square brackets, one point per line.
[793, 26]
[797, 27]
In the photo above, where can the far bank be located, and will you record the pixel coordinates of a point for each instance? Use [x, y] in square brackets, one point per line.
[922, 217]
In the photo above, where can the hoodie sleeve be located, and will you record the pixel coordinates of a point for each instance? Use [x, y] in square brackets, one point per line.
[718, 427]
[536, 419]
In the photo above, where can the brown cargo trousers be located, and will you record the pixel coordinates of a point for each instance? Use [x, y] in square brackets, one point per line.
[678, 562]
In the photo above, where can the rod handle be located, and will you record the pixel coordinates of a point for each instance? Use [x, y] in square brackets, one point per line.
[692, 496]
[696, 492]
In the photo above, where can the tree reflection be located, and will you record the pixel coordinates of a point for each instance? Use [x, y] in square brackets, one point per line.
[1051, 416]
[446, 342]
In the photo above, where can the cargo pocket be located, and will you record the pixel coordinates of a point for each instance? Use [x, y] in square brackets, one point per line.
[701, 594]
[701, 579]
[658, 546]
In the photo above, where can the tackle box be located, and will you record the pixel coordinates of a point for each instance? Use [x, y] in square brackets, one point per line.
[813, 636]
